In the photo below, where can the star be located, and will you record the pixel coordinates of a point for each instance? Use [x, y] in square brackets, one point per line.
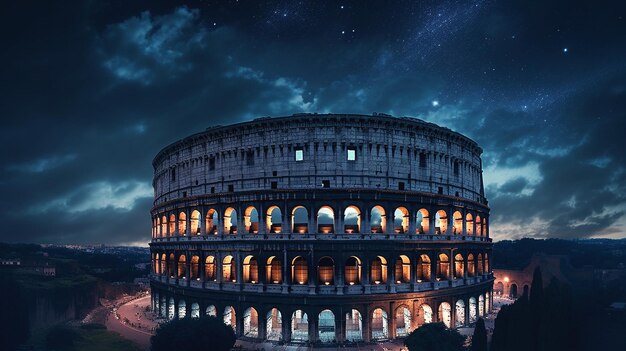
[435, 103]
[564, 50]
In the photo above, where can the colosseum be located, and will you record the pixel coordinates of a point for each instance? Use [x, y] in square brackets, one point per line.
[322, 228]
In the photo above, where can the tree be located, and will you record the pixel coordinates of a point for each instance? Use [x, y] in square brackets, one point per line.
[479, 338]
[206, 333]
[434, 337]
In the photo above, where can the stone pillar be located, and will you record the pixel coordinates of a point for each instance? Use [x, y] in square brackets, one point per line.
[339, 281]
[239, 269]
[450, 216]
[202, 219]
[312, 223]
[286, 225]
[464, 221]
[261, 211]
[239, 321]
[486, 227]
[391, 275]
[312, 272]
[392, 320]
[286, 267]
[176, 224]
[465, 265]
[313, 326]
[365, 227]
[390, 219]
[339, 214]
[220, 222]
[367, 329]
[219, 271]
[365, 274]
[340, 326]
[286, 327]
[434, 272]
[452, 314]
[262, 326]
[431, 222]
[188, 230]
[412, 224]
[188, 268]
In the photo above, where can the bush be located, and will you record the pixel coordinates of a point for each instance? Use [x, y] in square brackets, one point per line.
[207, 333]
[61, 338]
[434, 337]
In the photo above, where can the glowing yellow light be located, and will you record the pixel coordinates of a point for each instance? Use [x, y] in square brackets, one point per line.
[506, 279]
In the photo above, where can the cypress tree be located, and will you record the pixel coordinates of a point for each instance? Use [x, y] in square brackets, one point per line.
[479, 338]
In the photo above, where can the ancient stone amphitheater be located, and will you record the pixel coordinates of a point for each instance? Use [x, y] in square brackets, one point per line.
[322, 228]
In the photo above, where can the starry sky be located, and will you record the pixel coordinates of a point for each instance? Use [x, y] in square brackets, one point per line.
[91, 91]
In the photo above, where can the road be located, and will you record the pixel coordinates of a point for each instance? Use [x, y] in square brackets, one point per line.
[133, 322]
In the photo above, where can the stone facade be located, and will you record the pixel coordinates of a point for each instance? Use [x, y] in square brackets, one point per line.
[322, 228]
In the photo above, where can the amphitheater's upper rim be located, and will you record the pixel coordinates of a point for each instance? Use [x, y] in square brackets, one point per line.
[315, 116]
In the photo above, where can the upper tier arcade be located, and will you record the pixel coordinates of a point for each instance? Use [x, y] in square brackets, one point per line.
[311, 151]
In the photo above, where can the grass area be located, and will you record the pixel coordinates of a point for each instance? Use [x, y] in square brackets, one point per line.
[91, 337]
[34, 281]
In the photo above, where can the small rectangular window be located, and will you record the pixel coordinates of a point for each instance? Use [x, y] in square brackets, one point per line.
[299, 154]
[351, 154]
[212, 164]
[212, 190]
[456, 168]
[173, 175]
[440, 190]
[231, 188]
[400, 185]
[423, 160]
[274, 185]
[250, 158]
[274, 173]
[184, 194]
[325, 183]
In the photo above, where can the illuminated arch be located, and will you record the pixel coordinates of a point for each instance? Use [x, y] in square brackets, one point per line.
[471, 266]
[172, 228]
[459, 272]
[401, 220]
[211, 221]
[378, 270]
[424, 267]
[194, 269]
[230, 221]
[211, 311]
[182, 309]
[459, 313]
[326, 271]
[299, 326]
[210, 269]
[251, 220]
[274, 219]
[326, 220]
[479, 226]
[194, 222]
[182, 267]
[469, 224]
[326, 326]
[422, 220]
[445, 314]
[352, 271]
[251, 323]
[273, 271]
[229, 269]
[402, 269]
[403, 321]
[354, 326]
[230, 317]
[380, 324]
[458, 223]
[182, 223]
[443, 266]
[274, 325]
[300, 220]
[250, 270]
[352, 219]
[299, 271]
[425, 315]
[378, 220]
[441, 222]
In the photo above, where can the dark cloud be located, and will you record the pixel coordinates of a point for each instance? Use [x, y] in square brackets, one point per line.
[92, 91]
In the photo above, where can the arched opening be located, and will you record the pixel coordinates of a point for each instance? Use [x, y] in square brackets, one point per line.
[513, 291]
[230, 317]
[459, 272]
[163, 226]
[424, 269]
[299, 271]
[326, 220]
[326, 271]
[274, 220]
[481, 306]
[251, 323]
[212, 221]
[352, 220]
[498, 288]
[163, 263]
[403, 322]
[380, 325]
[194, 222]
[251, 220]
[458, 223]
[469, 224]
[163, 306]
[228, 270]
[300, 220]
[354, 326]
[526, 290]
[155, 298]
[353, 271]
[472, 310]
[171, 266]
[170, 309]
[182, 309]
[425, 315]
[182, 267]
[486, 263]
[209, 269]
[274, 325]
[211, 311]
[441, 222]
[401, 220]
[479, 226]
[422, 220]
[250, 270]
[230, 221]
[471, 266]
[274, 271]
[299, 326]
[378, 220]
[195, 310]
[445, 314]
[483, 232]
[460, 313]
[379, 270]
[403, 269]
[326, 326]
[443, 267]
[182, 223]
[487, 304]
[195, 268]
[172, 228]
[480, 264]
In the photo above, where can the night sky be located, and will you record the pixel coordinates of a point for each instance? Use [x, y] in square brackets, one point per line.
[91, 91]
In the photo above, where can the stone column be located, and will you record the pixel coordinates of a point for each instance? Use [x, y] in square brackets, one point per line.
[262, 325]
[313, 326]
[339, 282]
[220, 222]
[365, 274]
[286, 267]
[390, 219]
[367, 329]
[391, 275]
[286, 327]
[312, 272]
[340, 326]
[431, 222]
[412, 224]
[239, 269]
[450, 216]
[262, 219]
[312, 223]
[365, 226]
[392, 320]
[219, 270]
[202, 220]
[286, 225]
[339, 229]
[188, 230]
[434, 272]
[464, 221]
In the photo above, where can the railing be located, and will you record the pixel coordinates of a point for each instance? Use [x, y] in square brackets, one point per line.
[322, 236]
[304, 289]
